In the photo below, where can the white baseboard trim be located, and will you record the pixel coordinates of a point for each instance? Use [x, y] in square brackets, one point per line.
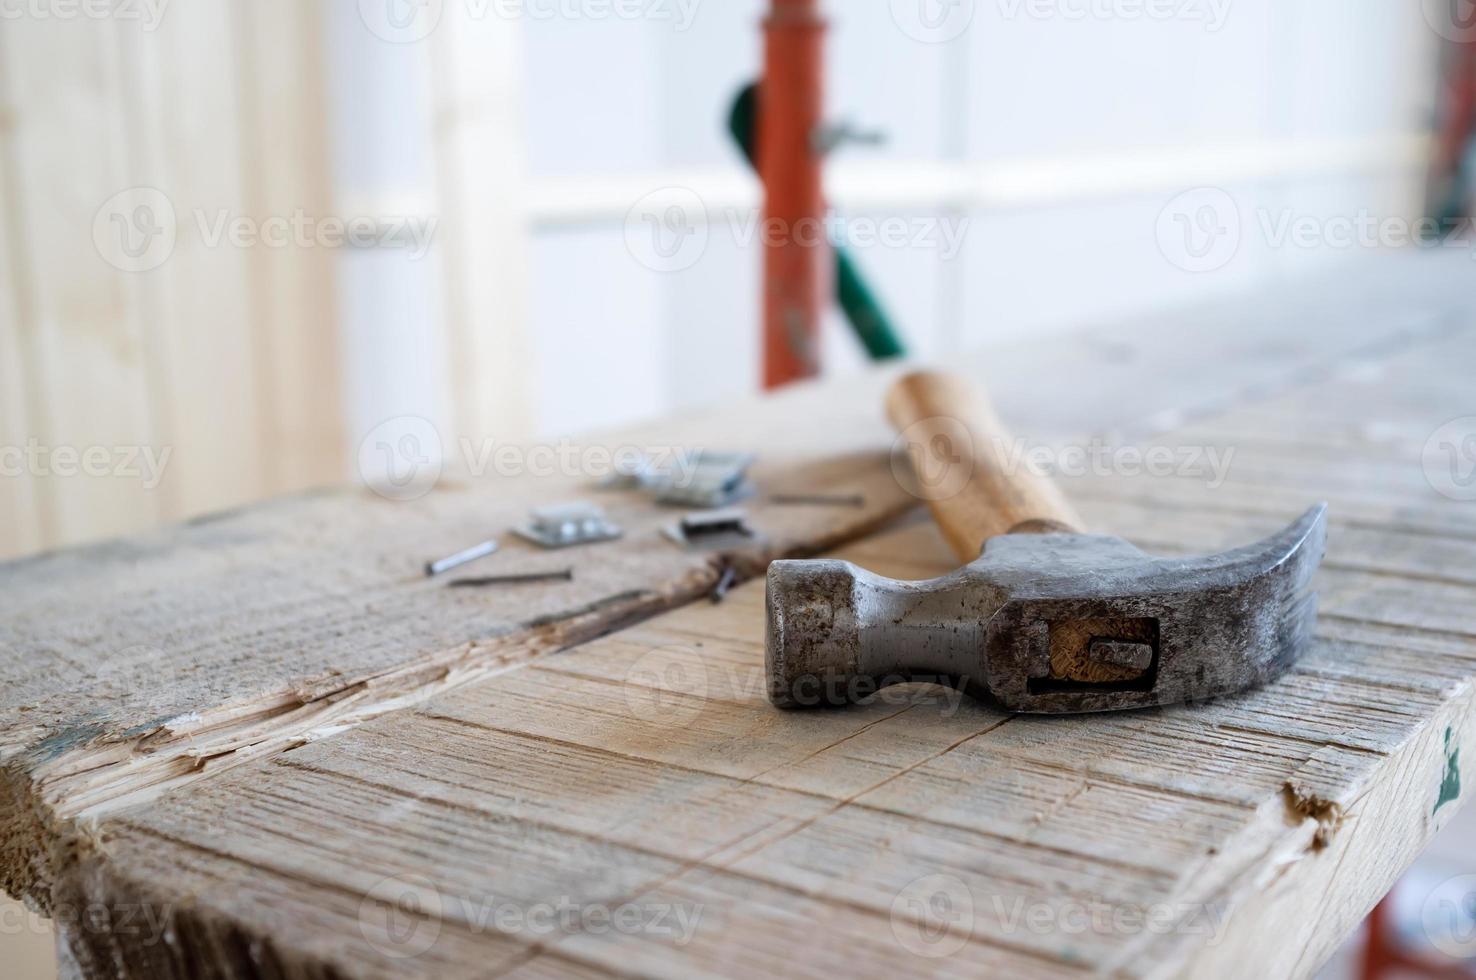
[563, 202]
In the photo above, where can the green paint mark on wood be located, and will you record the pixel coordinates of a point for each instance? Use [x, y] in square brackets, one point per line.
[58, 743]
[1450, 785]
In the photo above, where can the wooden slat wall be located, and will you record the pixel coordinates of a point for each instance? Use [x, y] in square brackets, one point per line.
[284, 98]
[83, 364]
[483, 220]
[18, 508]
[188, 136]
[223, 356]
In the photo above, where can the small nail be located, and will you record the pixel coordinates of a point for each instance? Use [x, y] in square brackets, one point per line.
[820, 499]
[563, 575]
[724, 583]
[460, 558]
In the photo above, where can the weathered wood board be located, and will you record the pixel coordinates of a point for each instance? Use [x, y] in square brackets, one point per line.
[494, 800]
[144, 664]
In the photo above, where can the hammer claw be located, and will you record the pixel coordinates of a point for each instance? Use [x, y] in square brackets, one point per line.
[1046, 619]
[1049, 623]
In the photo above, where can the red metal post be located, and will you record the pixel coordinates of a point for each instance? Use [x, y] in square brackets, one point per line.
[1383, 957]
[797, 260]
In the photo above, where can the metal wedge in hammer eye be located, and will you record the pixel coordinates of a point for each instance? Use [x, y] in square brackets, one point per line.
[1046, 619]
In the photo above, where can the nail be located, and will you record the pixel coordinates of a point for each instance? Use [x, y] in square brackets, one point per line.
[725, 582]
[563, 575]
[460, 558]
[821, 499]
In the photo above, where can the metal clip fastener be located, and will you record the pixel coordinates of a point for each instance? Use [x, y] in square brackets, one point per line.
[714, 529]
[716, 480]
[565, 525]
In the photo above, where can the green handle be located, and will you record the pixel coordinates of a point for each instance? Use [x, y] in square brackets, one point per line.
[862, 308]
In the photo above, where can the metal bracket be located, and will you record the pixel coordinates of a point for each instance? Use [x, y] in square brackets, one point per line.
[715, 529]
[717, 480]
[639, 474]
[565, 525]
[830, 136]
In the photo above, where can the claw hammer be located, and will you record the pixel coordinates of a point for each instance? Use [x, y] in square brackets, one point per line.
[1046, 618]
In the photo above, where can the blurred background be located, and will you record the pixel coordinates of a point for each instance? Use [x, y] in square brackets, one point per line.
[239, 237]
[179, 180]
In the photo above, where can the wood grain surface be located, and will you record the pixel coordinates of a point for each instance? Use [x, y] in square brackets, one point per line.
[329, 767]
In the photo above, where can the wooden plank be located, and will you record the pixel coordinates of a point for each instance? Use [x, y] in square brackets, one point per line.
[801, 835]
[1264, 466]
[1015, 810]
[186, 105]
[292, 308]
[289, 564]
[20, 514]
[482, 222]
[107, 348]
[1046, 817]
[83, 343]
[353, 591]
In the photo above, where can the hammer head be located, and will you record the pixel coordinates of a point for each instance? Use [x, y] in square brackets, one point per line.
[1049, 623]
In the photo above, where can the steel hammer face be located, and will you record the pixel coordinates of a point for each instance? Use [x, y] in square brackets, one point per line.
[1049, 623]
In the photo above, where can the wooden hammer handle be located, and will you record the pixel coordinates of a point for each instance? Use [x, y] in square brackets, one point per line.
[975, 480]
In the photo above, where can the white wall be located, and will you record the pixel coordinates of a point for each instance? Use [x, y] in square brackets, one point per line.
[1067, 136]
[542, 145]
